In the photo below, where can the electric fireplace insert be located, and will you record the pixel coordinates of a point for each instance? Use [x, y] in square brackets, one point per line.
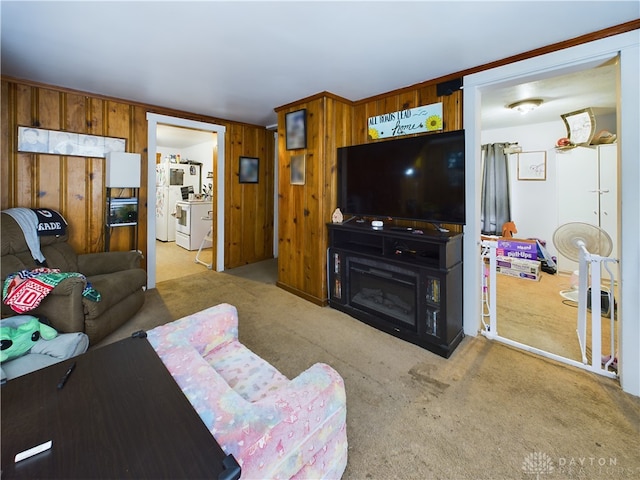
[407, 286]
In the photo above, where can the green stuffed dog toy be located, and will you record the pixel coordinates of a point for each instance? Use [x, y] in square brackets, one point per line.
[19, 333]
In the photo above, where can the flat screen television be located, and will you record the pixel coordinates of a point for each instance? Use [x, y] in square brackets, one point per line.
[412, 178]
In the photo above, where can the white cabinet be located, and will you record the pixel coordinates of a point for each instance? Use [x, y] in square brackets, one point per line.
[587, 179]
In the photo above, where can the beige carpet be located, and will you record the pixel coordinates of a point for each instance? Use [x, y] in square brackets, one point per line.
[488, 412]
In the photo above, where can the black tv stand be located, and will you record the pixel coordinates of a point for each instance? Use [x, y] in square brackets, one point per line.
[407, 285]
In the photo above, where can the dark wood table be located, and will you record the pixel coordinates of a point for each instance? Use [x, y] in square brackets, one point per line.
[119, 415]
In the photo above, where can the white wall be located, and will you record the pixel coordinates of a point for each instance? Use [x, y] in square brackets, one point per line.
[533, 203]
[202, 152]
[166, 151]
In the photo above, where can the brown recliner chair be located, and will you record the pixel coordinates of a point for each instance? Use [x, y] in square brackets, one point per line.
[117, 276]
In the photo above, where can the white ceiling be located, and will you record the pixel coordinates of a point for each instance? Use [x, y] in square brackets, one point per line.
[594, 88]
[168, 136]
[239, 60]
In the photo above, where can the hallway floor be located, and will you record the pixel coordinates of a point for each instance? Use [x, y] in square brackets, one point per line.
[173, 261]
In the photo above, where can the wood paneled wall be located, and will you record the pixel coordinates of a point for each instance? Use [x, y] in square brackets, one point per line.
[332, 122]
[249, 206]
[412, 97]
[305, 209]
[403, 100]
[75, 186]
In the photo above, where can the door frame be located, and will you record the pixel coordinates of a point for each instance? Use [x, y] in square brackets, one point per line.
[276, 188]
[153, 120]
[627, 48]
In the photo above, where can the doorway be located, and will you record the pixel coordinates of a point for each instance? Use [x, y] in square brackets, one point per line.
[218, 189]
[532, 312]
[185, 160]
[545, 66]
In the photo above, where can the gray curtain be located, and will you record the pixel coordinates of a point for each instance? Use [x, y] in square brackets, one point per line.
[496, 206]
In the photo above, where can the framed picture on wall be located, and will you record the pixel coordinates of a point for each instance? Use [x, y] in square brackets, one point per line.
[296, 129]
[57, 142]
[532, 165]
[298, 170]
[248, 169]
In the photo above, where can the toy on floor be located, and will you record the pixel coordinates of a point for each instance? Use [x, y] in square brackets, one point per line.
[508, 229]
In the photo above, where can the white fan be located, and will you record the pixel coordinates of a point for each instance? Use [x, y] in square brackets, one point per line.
[588, 245]
[570, 238]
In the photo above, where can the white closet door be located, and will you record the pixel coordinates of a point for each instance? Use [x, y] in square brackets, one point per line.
[578, 201]
[608, 192]
[578, 186]
[587, 192]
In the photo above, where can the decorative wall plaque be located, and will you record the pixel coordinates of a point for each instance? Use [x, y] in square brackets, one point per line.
[427, 118]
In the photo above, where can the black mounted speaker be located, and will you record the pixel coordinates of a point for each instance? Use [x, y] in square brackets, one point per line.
[447, 88]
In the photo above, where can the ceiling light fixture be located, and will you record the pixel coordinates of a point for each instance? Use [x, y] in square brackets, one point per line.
[525, 106]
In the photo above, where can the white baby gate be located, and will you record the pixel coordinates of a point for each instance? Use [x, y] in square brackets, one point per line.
[588, 263]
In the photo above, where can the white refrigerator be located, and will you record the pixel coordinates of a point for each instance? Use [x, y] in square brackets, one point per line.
[170, 179]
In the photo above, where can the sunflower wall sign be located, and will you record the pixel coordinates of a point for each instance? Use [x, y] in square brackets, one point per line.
[427, 118]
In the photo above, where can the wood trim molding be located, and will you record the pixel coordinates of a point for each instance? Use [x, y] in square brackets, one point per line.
[317, 96]
[310, 298]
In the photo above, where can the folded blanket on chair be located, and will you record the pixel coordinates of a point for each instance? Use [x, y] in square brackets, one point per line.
[28, 222]
[35, 222]
[24, 290]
